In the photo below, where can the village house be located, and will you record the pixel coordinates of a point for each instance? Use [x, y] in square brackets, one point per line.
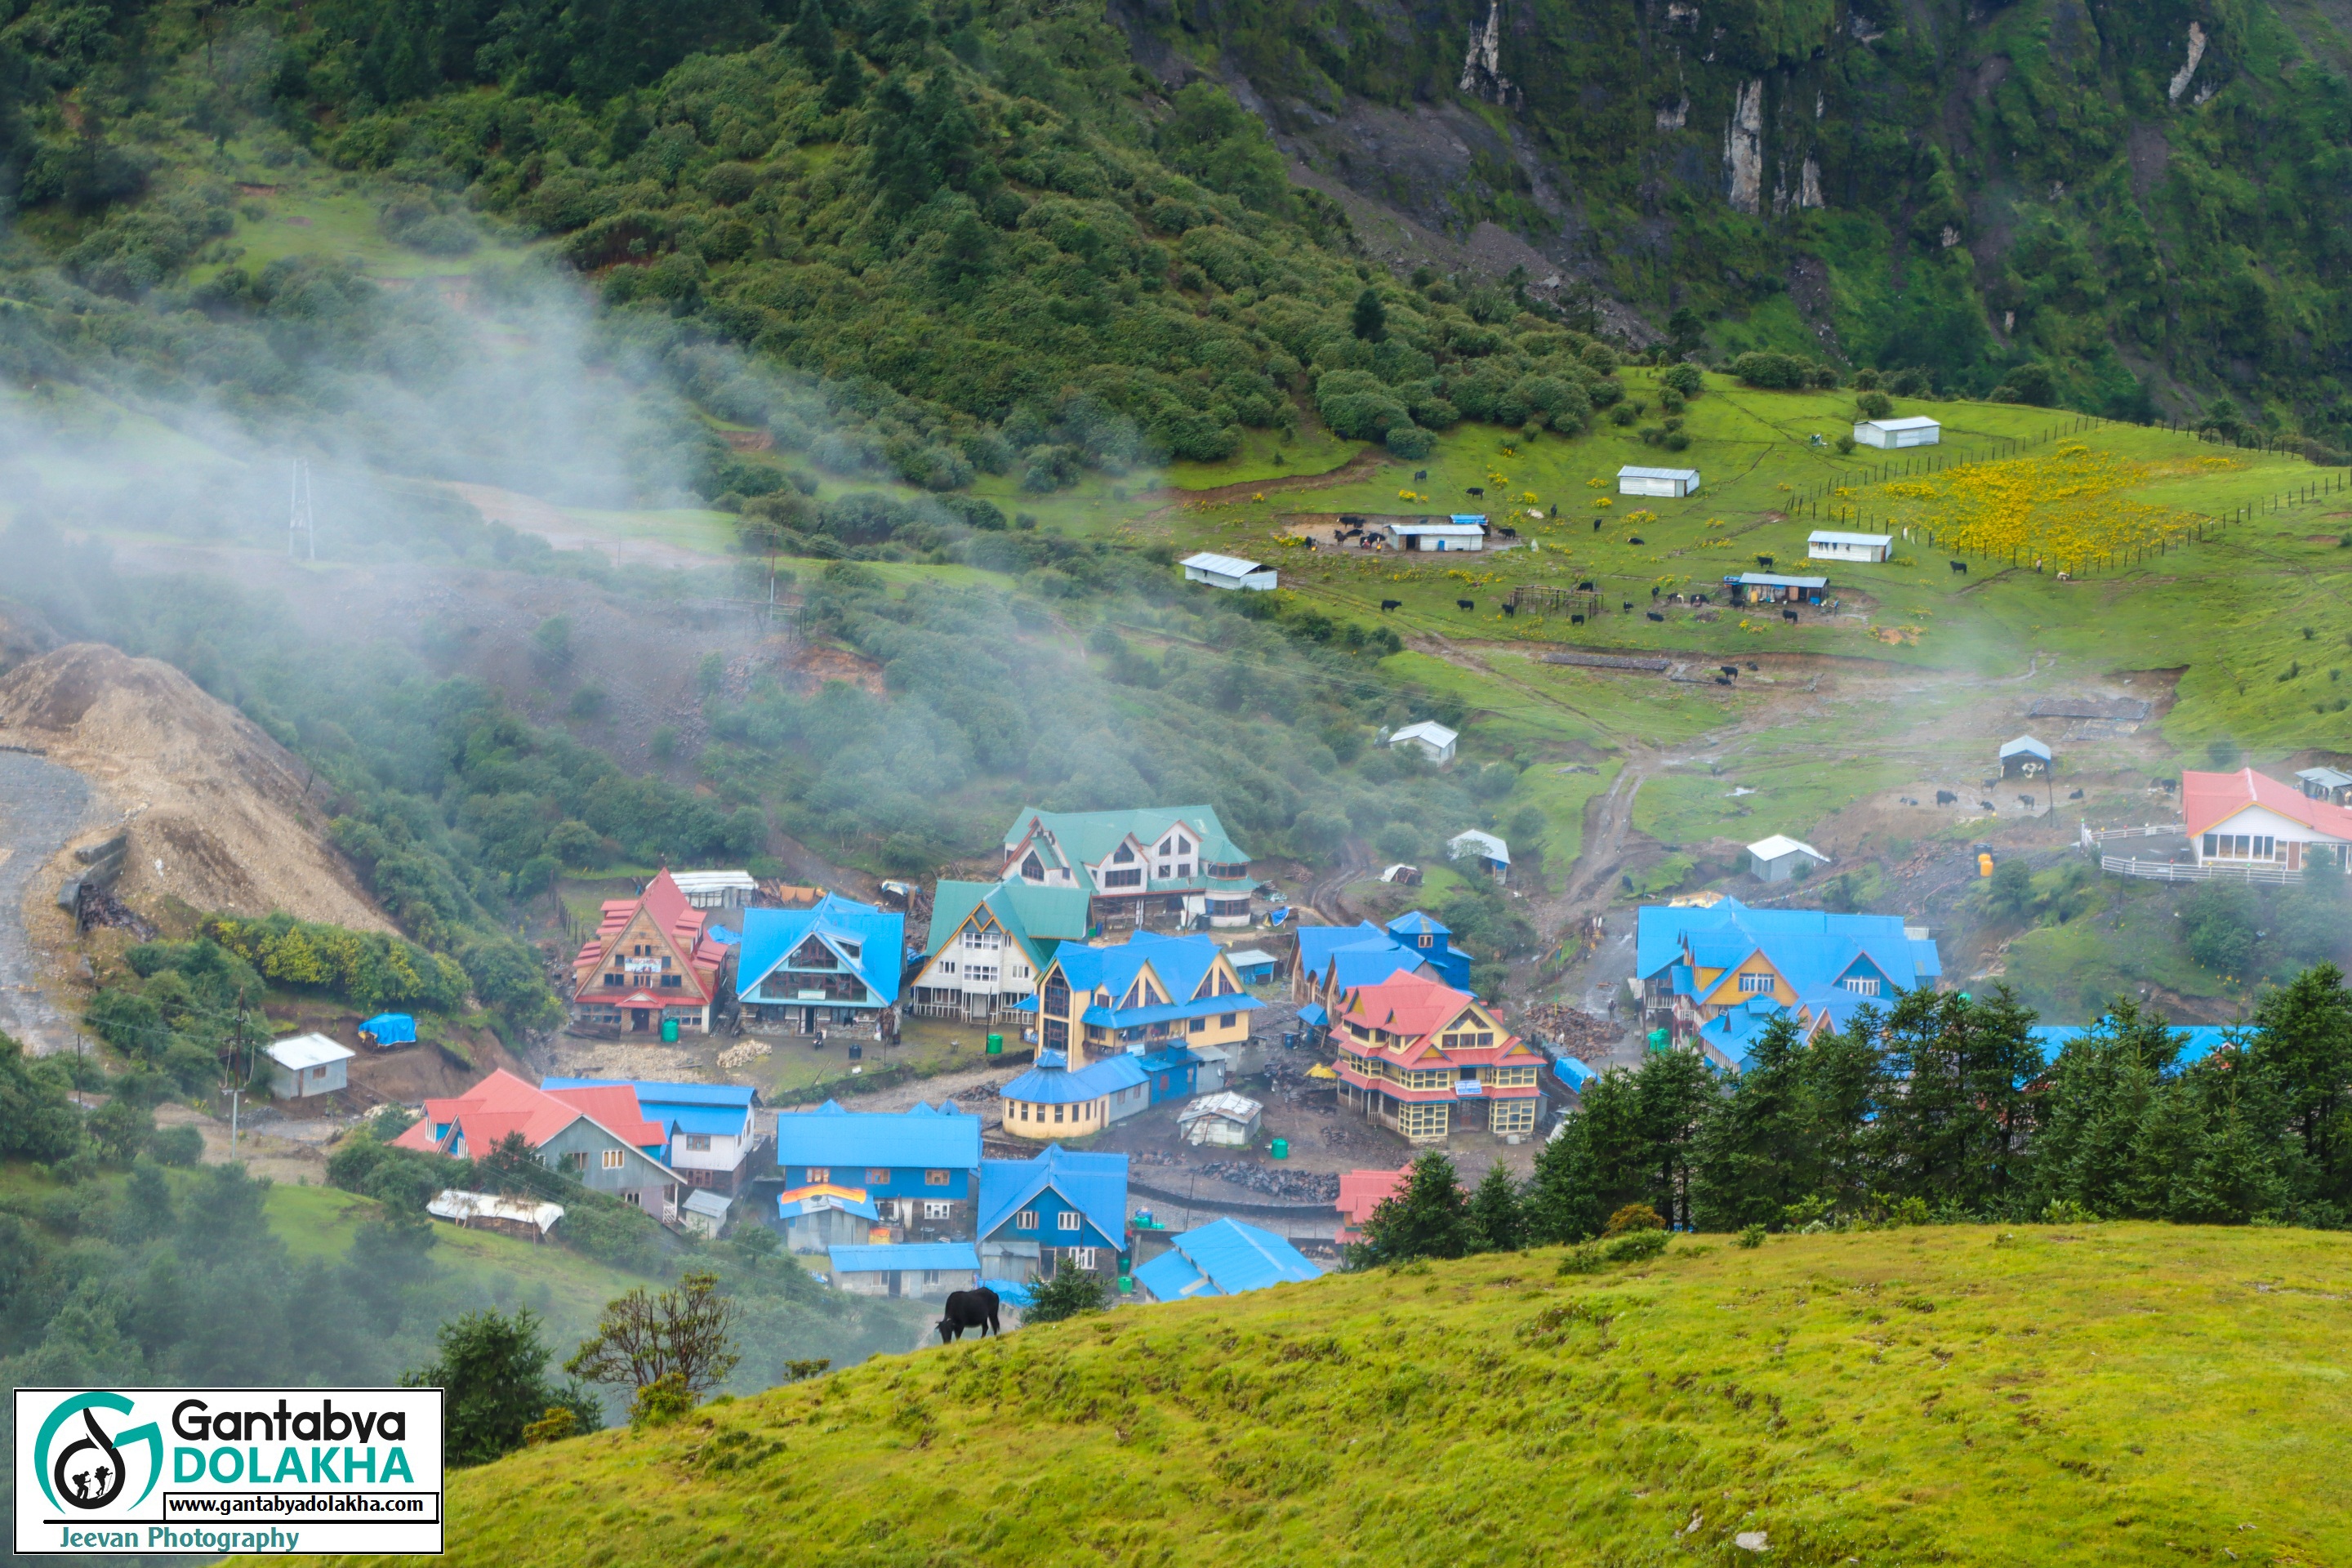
[1225, 1257]
[1462, 531]
[308, 1064]
[651, 963]
[1335, 960]
[1163, 865]
[1430, 738]
[1361, 1192]
[1830, 544]
[717, 889]
[912, 1270]
[2246, 819]
[598, 1136]
[1427, 1062]
[838, 962]
[1061, 1209]
[989, 942]
[1693, 964]
[1484, 850]
[1779, 857]
[714, 1139]
[1228, 571]
[1915, 430]
[913, 1175]
[2326, 784]
[1728, 1039]
[705, 1211]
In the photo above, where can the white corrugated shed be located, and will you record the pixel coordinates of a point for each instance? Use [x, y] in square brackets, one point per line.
[716, 890]
[1671, 483]
[1915, 430]
[459, 1207]
[308, 1064]
[1434, 739]
[1228, 571]
[1829, 544]
[1224, 1118]
[1776, 859]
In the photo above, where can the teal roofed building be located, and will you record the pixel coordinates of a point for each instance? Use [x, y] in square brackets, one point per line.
[988, 944]
[1155, 866]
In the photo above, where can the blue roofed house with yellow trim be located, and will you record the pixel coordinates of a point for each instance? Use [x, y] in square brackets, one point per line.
[988, 944]
[1224, 1257]
[1695, 966]
[913, 1175]
[1335, 960]
[1157, 864]
[1062, 1208]
[1118, 1027]
[836, 963]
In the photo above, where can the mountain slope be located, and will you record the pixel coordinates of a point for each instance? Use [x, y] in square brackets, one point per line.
[1961, 1394]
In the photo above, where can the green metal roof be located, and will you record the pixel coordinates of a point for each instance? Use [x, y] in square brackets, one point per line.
[1088, 836]
[1039, 918]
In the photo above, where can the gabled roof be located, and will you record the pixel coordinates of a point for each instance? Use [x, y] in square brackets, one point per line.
[1633, 471]
[1224, 1257]
[771, 936]
[1370, 962]
[1811, 948]
[1039, 918]
[1361, 1192]
[1428, 730]
[1093, 1184]
[503, 1103]
[1772, 848]
[722, 1110]
[1317, 943]
[678, 921]
[2208, 800]
[1415, 923]
[1834, 536]
[2026, 744]
[1908, 422]
[307, 1051]
[1473, 841]
[1086, 837]
[1413, 1006]
[2325, 778]
[854, 1140]
[1222, 565]
[1181, 963]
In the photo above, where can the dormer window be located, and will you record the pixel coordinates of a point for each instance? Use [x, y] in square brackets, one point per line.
[1427, 940]
[1121, 856]
[1033, 869]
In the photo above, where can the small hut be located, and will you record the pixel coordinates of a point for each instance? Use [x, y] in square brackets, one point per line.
[1671, 484]
[2026, 758]
[1777, 859]
[1225, 1120]
[1917, 430]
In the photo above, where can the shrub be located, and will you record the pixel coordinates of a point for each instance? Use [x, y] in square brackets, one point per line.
[1685, 379]
[1410, 442]
[1633, 1218]
[1070, 1293]
[177, 1146]
[1771, 370]
[1752, 1238]
[1873, 405]
[1634, 1247]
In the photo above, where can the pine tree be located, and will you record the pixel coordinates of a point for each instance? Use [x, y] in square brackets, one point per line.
[2233, 1171]
[947, 130]
[1957, 1131]
[847, 85]
[1755, 1159]
[1844, 1081]
[2304, 1044]
[1674, 1093]
[2102, 1093]
[898, 162]
[1430, 1218]
[1562, 1204]
[1498, 1217]
[1370, 318]
[812, 38]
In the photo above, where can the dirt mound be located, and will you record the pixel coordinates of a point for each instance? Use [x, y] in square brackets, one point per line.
[217, 812]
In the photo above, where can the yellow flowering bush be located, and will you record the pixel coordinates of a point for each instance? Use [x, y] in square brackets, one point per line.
[2064, 506]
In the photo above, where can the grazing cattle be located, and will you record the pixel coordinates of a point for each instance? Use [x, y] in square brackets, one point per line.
[1986, 805]
[1508, 532]
[2076, 796]
[1636, 540]
[1656, 617]
[1420, 474]
[2026, 801]
[1765, 562]
[1730, 669]
[1310, 542]
[1629, 607]
[1653, 594]
[969, 1309]
[1961, 567]
[1353, 520]
[1576, 620]
[1392, 603]
[1789, 616]
[1585, 586]
[1753, 664]
[1723, 680]
[1510, 609]
[1946, 798]
[1477, 490]
[1465, 604]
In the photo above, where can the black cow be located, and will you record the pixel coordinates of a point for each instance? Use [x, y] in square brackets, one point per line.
[1596, 525]
[1946, 798]
[1510, 609]
[1629, 607]
[1654, 615]
[1986, 806]
[1421, 473]
[969, 1309]
[1392, 603]
[1723, 680]
[1653, 594]
[1765, 562]
[1961, 567]
[1584, 587]
[1352, 519]
[1730, 668]
[1465, 604]
[1576, 620]
[2076, 796]
[1788, 616]
[1636, 540]
[1477, 490]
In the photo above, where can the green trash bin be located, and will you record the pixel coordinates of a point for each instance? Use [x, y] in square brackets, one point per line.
[1657, 1039]
[669, 1031]
[996, 1045]
[1281, 1150]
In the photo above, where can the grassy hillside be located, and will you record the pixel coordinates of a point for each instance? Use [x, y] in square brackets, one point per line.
[2047, 1395]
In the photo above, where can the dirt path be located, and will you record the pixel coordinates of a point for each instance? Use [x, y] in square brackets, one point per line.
[42, 805]
[1362, 465]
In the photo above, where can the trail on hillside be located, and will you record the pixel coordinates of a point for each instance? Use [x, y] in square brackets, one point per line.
[42, 807]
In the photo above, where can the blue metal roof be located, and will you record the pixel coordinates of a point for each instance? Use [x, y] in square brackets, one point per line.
[1011, 1292]
[1224, 1257]
[831, 1136]
[1181, 964]
[942, 1255]
[1060, 1085]
[1369, 964]
[1811, 947]
[723, 1109]
[1317, 943]
[769, 936]
[1170, 1011]
[1415, 923]
[1093, 1184]
[1313, 1016]
[2197, 1041]
[1166, 1060]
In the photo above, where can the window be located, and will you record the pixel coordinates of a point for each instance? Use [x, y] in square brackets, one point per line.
[612, 1158]
[1421, 1122]
[877, 1176]
[931, 1276]
[1753, 984]
[1512, 1116]
[698, 1143]
[1079, 1256]
[1225, 1020]
[935, 1178]
[989, 940]
[673, 980]
[616, 979]
[947, 967]
[1033, 869]
[1486, 1036]
[1197, 1025]
[1123, 856]
[1426, 940]
[819, 1175]
[1129, 879]
[1058, 1113]
[936, 1210]
[1184, 867]
[1861, 985]
[1068, 1220]
[1026, 1220]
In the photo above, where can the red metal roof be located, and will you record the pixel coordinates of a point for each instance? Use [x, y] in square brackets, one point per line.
[503, 1103]
[1361, 1192]
[678, 921]
[2208, 800]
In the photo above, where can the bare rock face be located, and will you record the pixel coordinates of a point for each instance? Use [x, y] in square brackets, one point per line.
[213, 811]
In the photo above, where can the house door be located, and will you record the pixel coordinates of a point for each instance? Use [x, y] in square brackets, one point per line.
[808, 1020]
[893, 1284]
[637, 1017]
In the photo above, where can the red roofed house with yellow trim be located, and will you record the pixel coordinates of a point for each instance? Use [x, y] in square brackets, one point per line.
[651, 959]
[2246, 820]
[1427, 1061]
[598, 1135]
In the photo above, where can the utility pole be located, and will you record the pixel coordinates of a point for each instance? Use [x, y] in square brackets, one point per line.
[237, 1042]
[301, 519]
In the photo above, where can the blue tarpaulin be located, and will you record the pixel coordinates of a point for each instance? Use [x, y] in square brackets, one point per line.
[391, 1029]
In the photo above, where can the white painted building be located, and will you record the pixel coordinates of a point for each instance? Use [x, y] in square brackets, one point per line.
[1776, 859]
[1228, 571]
[1828, 544]
[1484, 848]
[1432, 738]
[2247, 819]
[1225, 1120]
[1670, 483]
[1917, 430]
[716, 890]
[1464, 532]
[308, 1064]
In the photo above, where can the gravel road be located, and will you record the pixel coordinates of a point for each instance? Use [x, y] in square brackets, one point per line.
[41, 806]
